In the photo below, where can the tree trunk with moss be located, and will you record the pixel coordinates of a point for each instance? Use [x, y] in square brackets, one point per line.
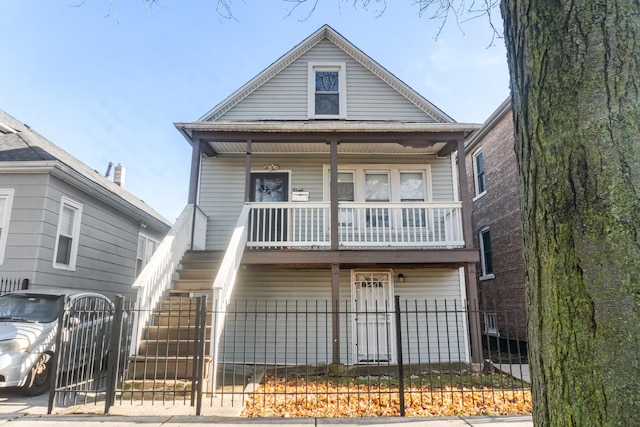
[575, 80]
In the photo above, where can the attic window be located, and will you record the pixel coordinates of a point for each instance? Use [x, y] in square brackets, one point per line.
[327, 91]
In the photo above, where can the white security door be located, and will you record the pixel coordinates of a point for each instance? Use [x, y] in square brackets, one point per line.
[373, 316]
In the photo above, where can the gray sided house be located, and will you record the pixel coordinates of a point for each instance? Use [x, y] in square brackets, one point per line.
[63, 224]
[492, 180]
[326, 178]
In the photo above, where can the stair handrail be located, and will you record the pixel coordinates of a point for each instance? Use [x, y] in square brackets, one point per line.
[224, 283]
[157, 274]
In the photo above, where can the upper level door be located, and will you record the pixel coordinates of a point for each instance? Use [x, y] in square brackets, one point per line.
[269, 187]
[269, 224]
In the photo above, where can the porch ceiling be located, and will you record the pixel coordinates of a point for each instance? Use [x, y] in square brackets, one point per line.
[313, 136]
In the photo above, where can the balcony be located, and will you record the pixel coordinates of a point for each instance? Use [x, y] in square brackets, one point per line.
[306, 225]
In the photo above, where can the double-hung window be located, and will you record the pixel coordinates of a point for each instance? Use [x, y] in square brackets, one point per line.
[486, 262]
[479, 179]
[412, 189]
[327, 97]
[146, 247]
[346, 193]
[6, 201]
[376, 191]
[66, 248]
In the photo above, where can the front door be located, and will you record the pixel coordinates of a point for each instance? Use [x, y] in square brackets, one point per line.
[269, 224]
[373, 319]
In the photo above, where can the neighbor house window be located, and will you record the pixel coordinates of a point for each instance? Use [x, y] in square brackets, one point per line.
[327, 91]
[485, 254]
[146, 247]
[491, 324]
[66, 249]
[478, 173]
[6, 201]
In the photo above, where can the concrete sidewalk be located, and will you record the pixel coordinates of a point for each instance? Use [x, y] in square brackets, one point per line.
[20, 411]
[28, 420]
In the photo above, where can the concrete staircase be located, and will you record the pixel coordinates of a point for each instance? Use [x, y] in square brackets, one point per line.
[164, 362]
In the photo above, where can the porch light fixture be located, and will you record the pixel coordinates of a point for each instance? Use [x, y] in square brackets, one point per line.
[401, 277]
[272, 167]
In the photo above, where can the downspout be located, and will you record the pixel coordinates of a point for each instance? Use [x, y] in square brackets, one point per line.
[470, 268]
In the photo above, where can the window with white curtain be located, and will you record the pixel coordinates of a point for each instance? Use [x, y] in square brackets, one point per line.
[68, 234]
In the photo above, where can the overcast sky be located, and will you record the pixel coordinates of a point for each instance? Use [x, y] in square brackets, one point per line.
[107, 84]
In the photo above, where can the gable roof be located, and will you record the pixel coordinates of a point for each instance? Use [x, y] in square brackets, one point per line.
[327, 33]
[22, 148]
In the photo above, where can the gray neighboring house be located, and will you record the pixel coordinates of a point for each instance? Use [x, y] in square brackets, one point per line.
[62, 224]
[492, 179]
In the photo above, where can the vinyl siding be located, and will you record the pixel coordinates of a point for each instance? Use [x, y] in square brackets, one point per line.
[284, 97]
[107, 242]
[222, 183]
[442, 177]
[25, 224]
[300, 332]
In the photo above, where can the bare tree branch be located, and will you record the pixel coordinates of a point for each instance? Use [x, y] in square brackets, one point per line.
[223, 9]
[313, 4]
[444, 11]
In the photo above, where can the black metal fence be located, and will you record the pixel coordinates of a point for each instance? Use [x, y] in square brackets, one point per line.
[279, 358]
[276, 359]
[9, 284]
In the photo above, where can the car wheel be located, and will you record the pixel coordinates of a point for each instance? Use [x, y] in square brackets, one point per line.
[39, 377]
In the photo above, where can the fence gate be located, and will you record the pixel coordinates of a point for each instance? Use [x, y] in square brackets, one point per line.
[86, 352]
[98, 364]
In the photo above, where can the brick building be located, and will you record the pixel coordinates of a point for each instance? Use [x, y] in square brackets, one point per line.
[492, 180]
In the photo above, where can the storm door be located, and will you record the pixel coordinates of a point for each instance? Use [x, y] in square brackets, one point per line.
[373, 316]
[269, 223]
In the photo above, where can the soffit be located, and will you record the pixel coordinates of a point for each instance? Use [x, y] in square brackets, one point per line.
[314, 137]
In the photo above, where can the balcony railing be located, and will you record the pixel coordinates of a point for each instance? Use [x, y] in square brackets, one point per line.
[360, 225]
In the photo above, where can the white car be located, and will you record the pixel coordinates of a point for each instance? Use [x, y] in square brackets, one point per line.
[28, 331]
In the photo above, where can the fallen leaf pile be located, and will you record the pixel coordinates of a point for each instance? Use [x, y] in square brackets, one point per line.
[298, 398]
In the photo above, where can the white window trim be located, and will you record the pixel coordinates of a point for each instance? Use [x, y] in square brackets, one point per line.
[483, 267]
[5, 193]
[393, 170]
[146, 238]
[75, 237]
[476, 184]
[341, 68]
